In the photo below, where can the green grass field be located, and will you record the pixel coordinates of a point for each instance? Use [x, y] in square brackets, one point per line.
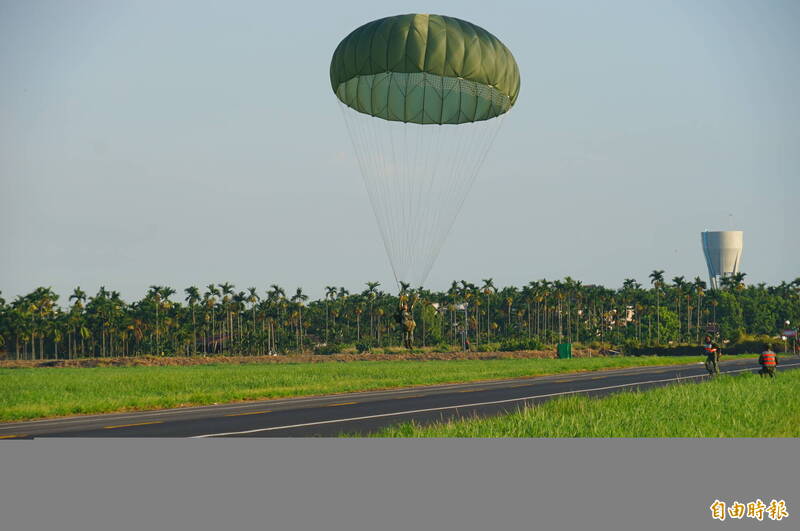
[47, 392]
[743, 405]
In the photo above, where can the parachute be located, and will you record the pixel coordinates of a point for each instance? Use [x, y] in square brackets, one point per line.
[423, 97]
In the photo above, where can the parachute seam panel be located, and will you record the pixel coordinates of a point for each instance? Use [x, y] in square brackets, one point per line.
[503, 74]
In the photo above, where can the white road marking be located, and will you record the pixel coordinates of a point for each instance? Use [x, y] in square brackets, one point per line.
[104, 418]
[506, 401]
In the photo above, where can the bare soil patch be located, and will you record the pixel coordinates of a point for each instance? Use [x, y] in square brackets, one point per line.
[165, 361]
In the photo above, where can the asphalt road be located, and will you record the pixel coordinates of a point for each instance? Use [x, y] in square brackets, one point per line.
[361, 413]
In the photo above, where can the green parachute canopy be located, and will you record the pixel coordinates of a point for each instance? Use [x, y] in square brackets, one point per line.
[425, 69]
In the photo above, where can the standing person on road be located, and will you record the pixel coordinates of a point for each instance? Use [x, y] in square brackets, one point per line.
[712, 352]
[768, 361]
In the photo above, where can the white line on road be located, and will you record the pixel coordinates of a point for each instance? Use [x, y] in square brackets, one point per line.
[506, 401]
[103, 418]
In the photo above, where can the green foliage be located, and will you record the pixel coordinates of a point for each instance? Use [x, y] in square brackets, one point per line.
[488, 347]
[443, 347]
[752, 343]
[727, 406]
[731, 321]
[511, 345]
[630, 346]
[221, 320]
[669, 326]
[432, 324]
[330, 348]
[363, 347]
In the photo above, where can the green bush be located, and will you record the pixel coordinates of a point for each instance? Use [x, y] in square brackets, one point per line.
[750, 343]
[362, 347]
[329, 348]
[488, 347]
[630, 346]
[443, 347]
[512, 345]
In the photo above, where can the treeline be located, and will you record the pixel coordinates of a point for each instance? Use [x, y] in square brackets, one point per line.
[220, 319]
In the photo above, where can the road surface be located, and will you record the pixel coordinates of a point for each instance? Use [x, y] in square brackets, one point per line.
[365, 412]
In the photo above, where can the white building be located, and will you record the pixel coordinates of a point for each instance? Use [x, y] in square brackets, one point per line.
[723, 251]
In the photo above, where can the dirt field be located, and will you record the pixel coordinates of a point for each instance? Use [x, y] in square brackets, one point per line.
[291, 358]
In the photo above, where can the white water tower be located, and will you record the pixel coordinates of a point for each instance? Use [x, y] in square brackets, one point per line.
[723, 250]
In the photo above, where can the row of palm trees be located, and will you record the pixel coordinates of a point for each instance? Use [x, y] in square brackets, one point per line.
[219, 319]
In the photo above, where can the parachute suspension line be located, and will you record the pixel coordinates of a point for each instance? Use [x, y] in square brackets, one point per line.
[417, 177]
[363, 152]
[421, 223]
[480, 146]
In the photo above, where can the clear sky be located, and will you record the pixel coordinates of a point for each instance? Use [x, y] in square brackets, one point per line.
[192, 142]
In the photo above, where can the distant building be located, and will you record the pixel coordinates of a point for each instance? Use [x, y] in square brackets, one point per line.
[723, 251]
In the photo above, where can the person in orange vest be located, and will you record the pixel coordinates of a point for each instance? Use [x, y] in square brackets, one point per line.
[768, 361]
[712, 352]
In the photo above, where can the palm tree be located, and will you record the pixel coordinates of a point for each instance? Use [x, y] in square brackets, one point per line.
[545, 287]
[657, 280]
[192, 298]
[738, 281]
[252, 299]
[237, 307]
[115, 316]
[330, 294]
[80, 297]
[372, 294]
[155, 294]
[341, 297]
[508, 295]
[277, 297]
[559, 288]
[699, 288]
[227, 296]
[210, 302]
[299, 298]
[680, 284]
[404, 287]
[487, 289]
[358, 311]
[166, 293]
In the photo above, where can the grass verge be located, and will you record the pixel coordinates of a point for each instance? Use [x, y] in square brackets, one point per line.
[40, 392]
[744, 405]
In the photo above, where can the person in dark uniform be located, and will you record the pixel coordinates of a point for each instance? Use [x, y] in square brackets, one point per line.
[405, 316]
[768, 361]
[712, 352]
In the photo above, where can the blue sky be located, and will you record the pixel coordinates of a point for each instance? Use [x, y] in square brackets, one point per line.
[186, 143]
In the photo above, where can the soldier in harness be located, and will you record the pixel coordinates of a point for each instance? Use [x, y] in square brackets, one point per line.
[405, 317]
[713, 353]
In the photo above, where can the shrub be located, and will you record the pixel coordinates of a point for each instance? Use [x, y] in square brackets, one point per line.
[630, 346]
[442, 347]
[362, 347]
[511, 345]
[330, 348]
[488, 347]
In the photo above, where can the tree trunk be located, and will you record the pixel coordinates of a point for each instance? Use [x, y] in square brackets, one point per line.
[194, 333]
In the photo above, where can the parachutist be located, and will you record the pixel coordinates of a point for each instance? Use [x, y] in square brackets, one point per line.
[395, 78]
[405, 316]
